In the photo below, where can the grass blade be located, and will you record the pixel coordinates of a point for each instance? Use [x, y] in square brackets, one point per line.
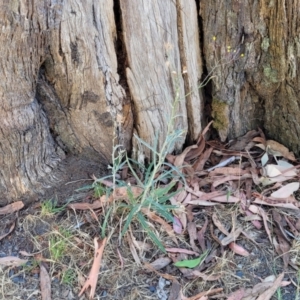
[152, 235]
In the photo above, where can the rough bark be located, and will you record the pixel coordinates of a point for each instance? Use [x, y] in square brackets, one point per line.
[28, 152]
[162, 46]
[78, 77]
[252, 49]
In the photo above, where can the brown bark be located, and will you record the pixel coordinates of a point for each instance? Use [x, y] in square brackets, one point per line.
[252, 49]
[78, 77]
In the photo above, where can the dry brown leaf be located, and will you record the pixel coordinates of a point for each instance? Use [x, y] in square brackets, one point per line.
[277, 149]
[196, 152]
[167, 227]
[180, 196]
[180, 250]
[230, 178]
[279, 204]
[200, 235]
[25, 253]
[10, 208]
[258, 210]
[9, 231]
[187, 198]
[198, 274]
[199, 164]
[86, 206]
[229, 171]
[180, 158]
[252, 217]
[161, 262]
[133, 249]
[45, 283]
[164, 275]
[237, 295]
[259, 140]
[231, 237]
[91, 282]
[292, 227]
[202, 136]
[121, 193]
[201, 295]
[282, 248]
[270, 292]
[280, 223]
[219, 224]
[12, 261]
[204, 196]
[237, 249]
[226, 199]
[202, 203]
[252, 294]
[175, 291]
[179, 212]
[142, 246]
[192, 230]
[255, 177]
[241, 142]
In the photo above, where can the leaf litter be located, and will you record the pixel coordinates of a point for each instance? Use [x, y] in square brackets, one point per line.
[232, 196]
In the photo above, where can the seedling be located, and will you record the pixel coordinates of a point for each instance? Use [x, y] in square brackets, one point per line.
[58, 244]
[49, 208]
[68, 277]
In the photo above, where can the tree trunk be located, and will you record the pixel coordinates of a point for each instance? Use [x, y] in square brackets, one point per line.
[78, 77]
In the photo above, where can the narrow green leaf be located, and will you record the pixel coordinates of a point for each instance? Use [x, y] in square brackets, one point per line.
[164, 190]
[131, 197]
[191, 263]
[151, 234]
[162, 211]
[146, 144]
[105, 223]
[167, 197]
[149, 171]
[134, 173]
[130, 217]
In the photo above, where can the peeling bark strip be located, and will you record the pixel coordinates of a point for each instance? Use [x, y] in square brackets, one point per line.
[191, 64]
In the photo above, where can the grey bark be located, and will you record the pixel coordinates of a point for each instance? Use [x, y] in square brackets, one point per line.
[78, 77]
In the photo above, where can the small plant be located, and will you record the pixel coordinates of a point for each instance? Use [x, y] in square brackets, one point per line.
[68, 277]
[58, 244]
[99, 190]
[49, 208]
[154, 196]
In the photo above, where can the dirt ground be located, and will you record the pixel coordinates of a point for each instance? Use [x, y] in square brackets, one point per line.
[39, 231]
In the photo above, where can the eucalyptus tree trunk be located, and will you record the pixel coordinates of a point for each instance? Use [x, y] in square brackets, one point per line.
[78, 77]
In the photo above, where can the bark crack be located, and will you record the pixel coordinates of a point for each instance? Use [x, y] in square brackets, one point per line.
[122, 64]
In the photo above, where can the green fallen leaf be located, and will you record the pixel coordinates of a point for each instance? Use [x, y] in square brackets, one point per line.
[191, 263]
